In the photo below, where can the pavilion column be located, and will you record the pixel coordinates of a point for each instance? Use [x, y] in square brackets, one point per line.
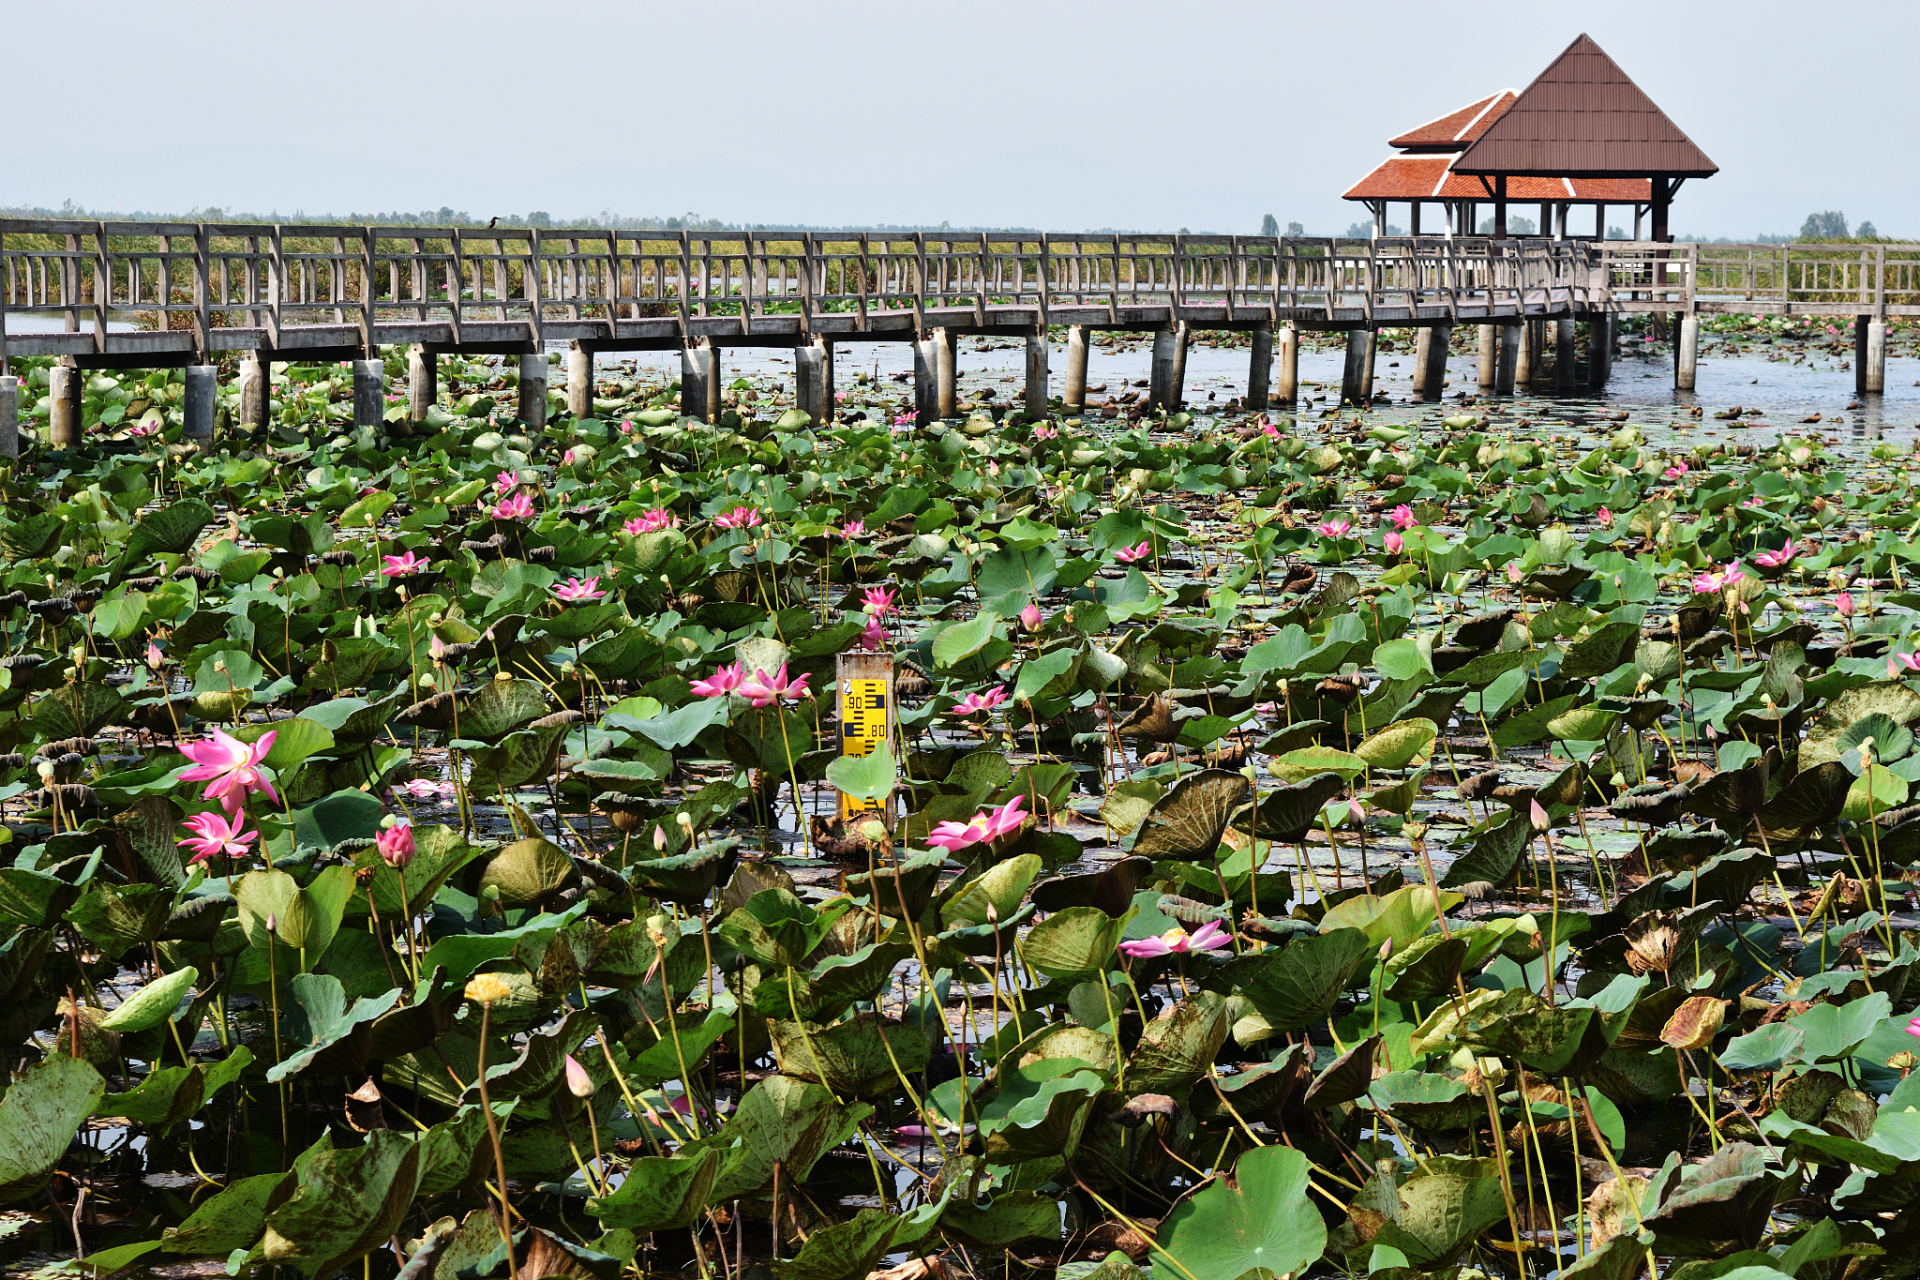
[810, 394]
[1500, 206]
[531, 405]
[947, 371]
[1177, 378]
[423, 381]
[256, 392]
[1526, 363]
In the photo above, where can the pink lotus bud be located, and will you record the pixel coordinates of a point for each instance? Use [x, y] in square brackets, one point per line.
[578, 1082]
[1843, 604]
[1541, 822]
[1030, 617]
[1394, 543]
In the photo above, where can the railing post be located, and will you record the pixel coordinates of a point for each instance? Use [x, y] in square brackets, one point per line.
[103, 289]
[202, 293]
[366, 295]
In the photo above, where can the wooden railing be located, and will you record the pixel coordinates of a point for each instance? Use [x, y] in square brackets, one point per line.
[1797, 279]
[551, 282]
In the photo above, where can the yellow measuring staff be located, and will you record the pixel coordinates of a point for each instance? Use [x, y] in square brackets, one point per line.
[866, 721]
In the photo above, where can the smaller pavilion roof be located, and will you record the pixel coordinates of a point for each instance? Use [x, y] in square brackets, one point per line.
[1455, 130]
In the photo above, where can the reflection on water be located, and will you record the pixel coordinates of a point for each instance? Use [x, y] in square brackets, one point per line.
[1643, 384]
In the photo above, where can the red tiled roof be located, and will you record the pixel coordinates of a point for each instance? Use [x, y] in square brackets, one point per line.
[1432, 178]
[1585, 116]
[1453, 131]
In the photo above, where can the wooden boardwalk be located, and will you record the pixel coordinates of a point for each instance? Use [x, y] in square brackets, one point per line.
[306, 293]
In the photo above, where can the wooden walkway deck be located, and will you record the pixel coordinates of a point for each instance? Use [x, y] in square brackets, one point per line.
[324, 291]
[279, 293]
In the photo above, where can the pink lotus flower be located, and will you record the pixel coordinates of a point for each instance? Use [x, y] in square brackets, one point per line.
[1777, 559]
[763, 690]
[426, 788]
[1710, 583]
[1755, 501]
[1677, 470]
[401, 566]
[1334, 528]
[905, 419]
[1394, 543]
[229, 767]
[1270, 431]
[518, 507]
[651, 521]
[873, 636]
[1913, 1028]
[1127, 555]
[1897, 661]
[1605, 517]
[575, 589]
[739, 518]
[1843, 604]
[218, 836]
[567, 458]
[1177, 941]
[1403, 517]
[880, 602]
[395, 844]
[1514, 572]
[853, 529]
[157, 659]
[626, 428]
[985, 828]
[144, 429]
[975, 703]
[1030, 617]
[723, 681]
[1045, 432]
[506, 482]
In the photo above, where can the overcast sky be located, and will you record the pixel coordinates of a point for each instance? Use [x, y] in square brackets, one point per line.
[1066, 116]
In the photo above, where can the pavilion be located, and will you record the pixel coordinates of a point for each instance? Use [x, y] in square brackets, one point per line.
[1581, 134]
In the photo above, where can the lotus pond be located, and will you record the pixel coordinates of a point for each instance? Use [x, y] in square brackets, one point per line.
[1416, 841]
